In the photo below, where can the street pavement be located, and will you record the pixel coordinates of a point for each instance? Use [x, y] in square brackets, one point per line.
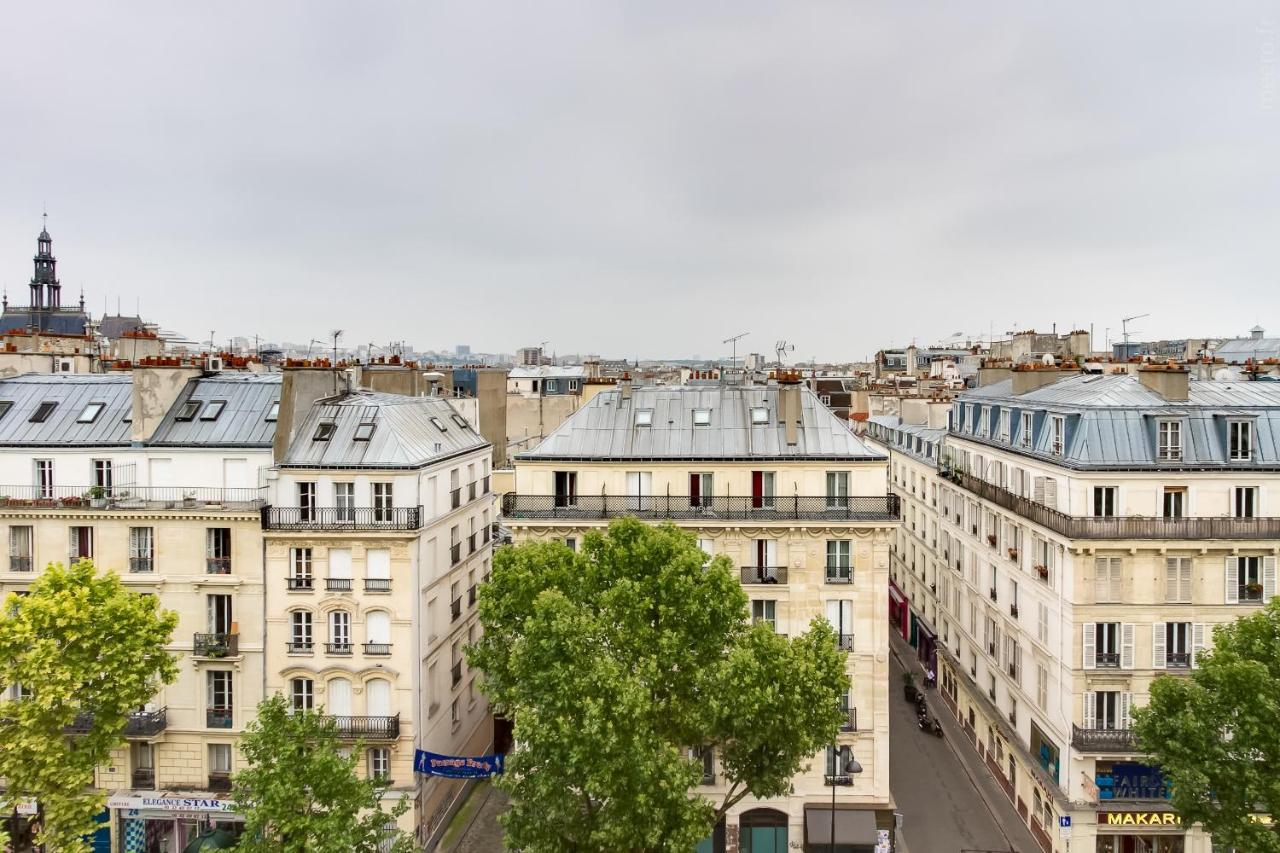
[948, 805]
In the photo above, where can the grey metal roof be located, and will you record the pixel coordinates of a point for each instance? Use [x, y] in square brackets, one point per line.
[605, 428]
[915, 440]
[72, 393]
[548, 372]
[1238, 350]
[404, 435]
[242, 421]
[1111, 421]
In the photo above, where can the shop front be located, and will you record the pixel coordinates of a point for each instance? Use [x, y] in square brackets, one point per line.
[855, 830]
[926, 646]
[156, 823]
[898, 611]
[1140, 832]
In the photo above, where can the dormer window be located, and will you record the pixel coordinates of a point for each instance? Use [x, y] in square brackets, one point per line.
[1239, 441]
[970, 420]
[1024, 432]
[1004, 424]
[212, 410]
[324, 431]
[759, 415]
[42, 412]
[644, 417]
[702, 417]
[188, 411]
[90, 413]
[438, 424]
[983, 415]
[364, 432]
[1169, 441]
[1059, 427]
[273, 413]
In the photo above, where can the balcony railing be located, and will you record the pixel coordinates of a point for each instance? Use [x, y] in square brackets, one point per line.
[471, 596]
[217, 718]
[1093, 527]
[1178, 660]
[341, 518]
[138, 724]
[1103, 740]
[132, 497]
[377, 649]
[455, 674]
[337, 584]
[377, 584]
[839, 574]
[850, 721]
[19, 564]
[1107, 660]
[215, 645]
[141, 564]
[337, 648]
[707, 508]
[764, 574]
[219, 780]
[844, 642]
[455, 498]
[455, 553]
[300, 583]
[455, 608]
[299, 648]
[143, 778]
[367, 728]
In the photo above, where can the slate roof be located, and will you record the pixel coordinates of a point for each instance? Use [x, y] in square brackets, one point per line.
[548, 372]
[605, 428]
[241, 423]
[59, 322]
[113, 326]
[72, 393]
[1111, 422]
[405, 436]
[1239, 350]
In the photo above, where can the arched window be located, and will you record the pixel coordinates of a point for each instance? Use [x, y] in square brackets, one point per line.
[339, 632]
[339, 698]
[378, 697]
[378, 627]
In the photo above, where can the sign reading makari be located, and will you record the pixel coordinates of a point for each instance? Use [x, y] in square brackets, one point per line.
[456, 766]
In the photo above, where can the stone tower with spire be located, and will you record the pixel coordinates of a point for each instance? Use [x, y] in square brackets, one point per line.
[45, 312]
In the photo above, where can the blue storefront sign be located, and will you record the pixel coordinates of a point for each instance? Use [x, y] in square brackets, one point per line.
[1129, 781]
[456, 766]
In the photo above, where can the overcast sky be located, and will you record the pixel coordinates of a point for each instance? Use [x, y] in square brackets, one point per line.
[649, 178]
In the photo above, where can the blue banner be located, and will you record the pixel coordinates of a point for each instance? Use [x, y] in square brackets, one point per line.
[456, 766]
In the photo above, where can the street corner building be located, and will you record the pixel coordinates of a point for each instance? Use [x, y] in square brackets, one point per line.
[1067, 539]
[766, 475]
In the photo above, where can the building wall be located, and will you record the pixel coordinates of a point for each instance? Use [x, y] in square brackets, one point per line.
[530, 419]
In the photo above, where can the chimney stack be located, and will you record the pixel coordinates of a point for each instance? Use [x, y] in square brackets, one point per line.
[300, 388]
[624, 387]
[1172, 381]
[155, 389]
[789, 404]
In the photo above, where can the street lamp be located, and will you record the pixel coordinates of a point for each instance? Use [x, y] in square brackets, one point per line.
[851, 767]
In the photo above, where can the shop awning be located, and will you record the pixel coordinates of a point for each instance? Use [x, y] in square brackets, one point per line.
[896, 594]
[853, 826]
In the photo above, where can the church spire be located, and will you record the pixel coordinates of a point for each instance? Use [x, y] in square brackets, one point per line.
[45, 279]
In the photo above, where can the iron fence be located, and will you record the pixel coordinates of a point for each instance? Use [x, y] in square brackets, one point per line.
[341, 518]
[708, 508]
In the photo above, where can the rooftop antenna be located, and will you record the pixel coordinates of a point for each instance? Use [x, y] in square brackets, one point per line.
[335, 334]
[734, 340]
[1124, 329]
[782, 348]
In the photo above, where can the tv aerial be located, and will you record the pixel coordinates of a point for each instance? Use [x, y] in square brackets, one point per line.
[782, 348]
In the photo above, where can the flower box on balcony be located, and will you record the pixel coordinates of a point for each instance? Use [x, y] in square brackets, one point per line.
[1013, 553]
[1043, 572]
[991, 539]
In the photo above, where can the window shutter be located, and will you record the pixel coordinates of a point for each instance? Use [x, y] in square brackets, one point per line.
[1051, 493]
[1268, 578]
[1126, 645]
[1090, 706]
[1090, 649]
[1233, 580]
[1159, 660]
[1197, 641]
[1184, 580]
[1126, 705]
[1037, 492]
[1171, 579]
[1102, 587]
[1117, 580]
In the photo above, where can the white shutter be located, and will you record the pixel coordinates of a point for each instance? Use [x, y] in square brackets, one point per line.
[1037, 490]
[1051, 492]
[1117, 579]
[1184, 580]
[1197, 641]
[1126, 705]
[340, 563]
[1090, 709]
[1090, 647]
[1232, 575]
[1268, 578]
[1126, 645]
[378, 627]
[1102, 579]
[378, 697]
[1171, 590]
[378, 563]
[338, 700]
[1159, 660]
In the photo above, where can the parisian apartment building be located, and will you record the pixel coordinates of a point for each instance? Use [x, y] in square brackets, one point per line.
[315, 539]
[1067, 538]
[768, 476]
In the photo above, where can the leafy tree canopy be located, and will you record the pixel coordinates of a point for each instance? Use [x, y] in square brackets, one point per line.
[84, 651]
[1215, 734]
[614, 662]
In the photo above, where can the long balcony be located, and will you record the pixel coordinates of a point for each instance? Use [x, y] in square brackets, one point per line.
[367, 728]
[215, 645]
[764, 574]
[140, 724]
[718, 508]
[1092, 527]
[132, 498]
[341, 518]
[1103, 740]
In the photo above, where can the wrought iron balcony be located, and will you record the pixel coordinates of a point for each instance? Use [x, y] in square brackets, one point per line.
[215, 645]
[1117, 527]
[455, 674]
[132, 498]
[1107, 660]
[219, 781]
[844, 642]
[455, 609]
[218, 718]
[141, 564]
[143, 778]
[1103, 740]
[850, 722]
[337, 649]
[341, 518]
[708, 508]
[302, 583]
[299, 647]
[455, 552]
[764, 574]
[377, 584]
[1178, 660]
[337, 584]
[217, 565]
[367, 728]
[839, 574]
[138, 724]
[377, 649]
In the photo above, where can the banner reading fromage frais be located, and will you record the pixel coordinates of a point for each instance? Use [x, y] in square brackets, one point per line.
[456, 766]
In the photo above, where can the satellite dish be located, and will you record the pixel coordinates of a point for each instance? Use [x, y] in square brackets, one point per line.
[1047, 360]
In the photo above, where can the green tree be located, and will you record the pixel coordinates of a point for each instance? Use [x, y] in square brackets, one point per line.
[300, 793]
[84, 651]
[1215, 734]
[614, 662]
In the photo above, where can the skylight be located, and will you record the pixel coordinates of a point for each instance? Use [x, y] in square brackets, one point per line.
[644, 417]
[188, 410]
[90, 413]
[324, 431]
[42, 412]
[364, 431]
[212, 410]
[439, 424]
[759, 415]
[461, 421]
[702, 417]
[274, 412]
[5, 406]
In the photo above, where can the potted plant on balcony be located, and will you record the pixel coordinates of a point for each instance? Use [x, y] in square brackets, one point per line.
[97, 497]
[1254, 588]
[1013, 553]
[991, 539]
[1043, 572]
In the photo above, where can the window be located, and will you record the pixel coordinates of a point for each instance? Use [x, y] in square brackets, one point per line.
[382, 497]
[339, 631]
[1169, 441]
[302, 694]
[1250, 579]
[984, 416]
[551, 386]
[218, 699]
[141, 549]
[702, 417]
[90, 413]
[307, 501]
[42, 412]
[701, 490]
[1024, 432]
[1175, 501]
[100, 475]
[1108, 645]
[439, 424]
[5, 406]
[300, 631]
[1239, 441]
[566, 489]
[1104, 501]
[218, 551]
[1107, 709]
[840, 615]
[344, 501]
[644, 417]
[19, 548]
[324, 431]
[1108, 580]
[1244, 501]
[1059, 429]
[44, 478]
[460, 421]
[212, 410]
[1171, 645]
[1005, 416]
[379, 763]
[219, 758]
[300, 568]
[1177, 580]
[218, 613]
[273, 413]
[759, 415]
[765, 610]
[838, 489]
[839, 561]
[80, 545]
[364, 432]
[188, 411]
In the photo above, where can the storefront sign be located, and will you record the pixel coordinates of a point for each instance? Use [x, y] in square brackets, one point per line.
[1139, 819]
[456, 766]
[170, 804]
[26, 807]
[1129, 781]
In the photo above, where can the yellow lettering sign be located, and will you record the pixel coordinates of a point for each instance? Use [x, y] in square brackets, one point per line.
[1139, 819]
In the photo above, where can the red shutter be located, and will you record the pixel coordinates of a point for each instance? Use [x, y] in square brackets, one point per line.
[757, 489]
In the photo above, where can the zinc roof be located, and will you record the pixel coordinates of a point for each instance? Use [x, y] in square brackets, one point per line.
[605, 428]
[404, 434]
[248, 399]
[71, 393]
[547, 372]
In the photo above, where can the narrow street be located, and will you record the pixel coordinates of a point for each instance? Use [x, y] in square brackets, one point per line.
[943, 810]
